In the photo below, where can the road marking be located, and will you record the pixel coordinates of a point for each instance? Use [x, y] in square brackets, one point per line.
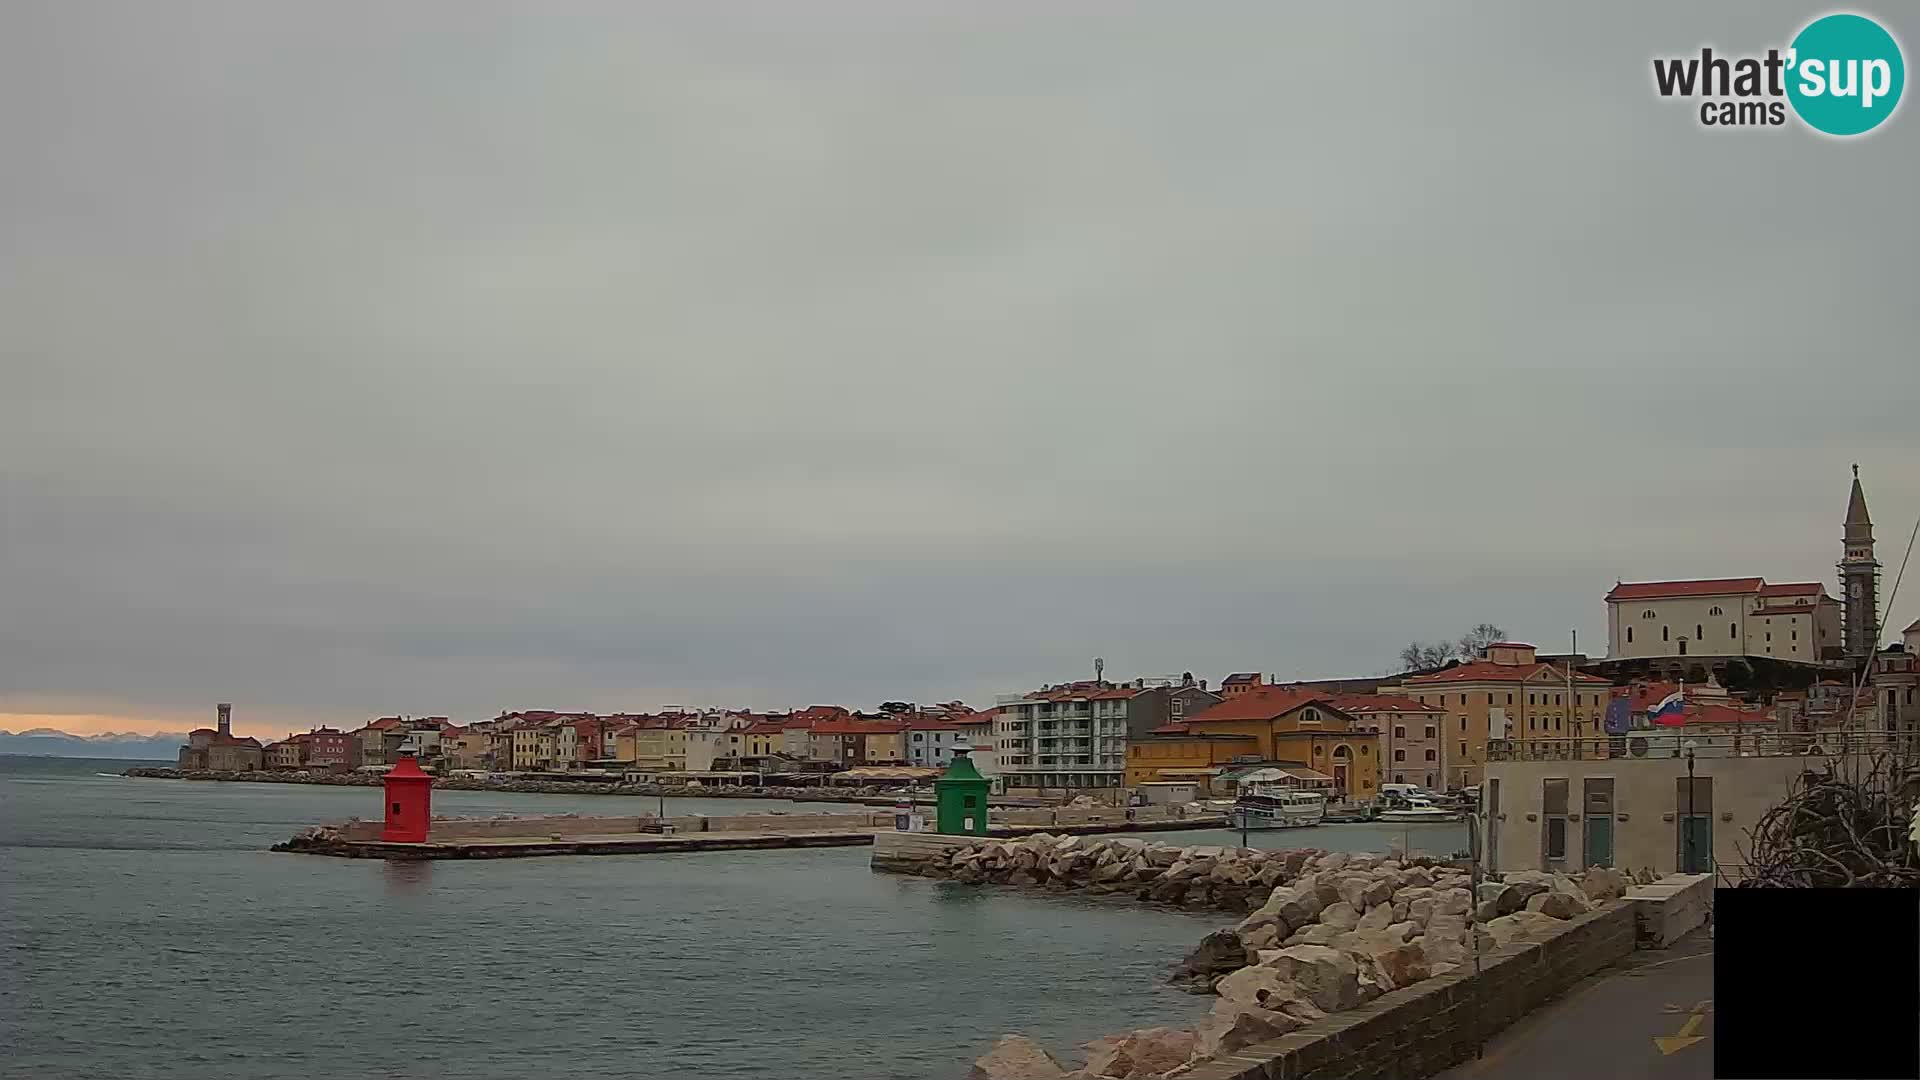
[1671, 1044]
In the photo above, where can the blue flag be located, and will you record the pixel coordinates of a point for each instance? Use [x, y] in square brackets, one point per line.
[1619, 716]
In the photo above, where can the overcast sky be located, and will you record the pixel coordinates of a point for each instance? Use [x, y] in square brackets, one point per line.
[444, 357]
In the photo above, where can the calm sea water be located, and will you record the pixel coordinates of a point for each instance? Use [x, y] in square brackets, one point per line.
[145, 931]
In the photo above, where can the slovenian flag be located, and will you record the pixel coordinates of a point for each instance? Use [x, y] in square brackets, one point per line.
[1667, 712]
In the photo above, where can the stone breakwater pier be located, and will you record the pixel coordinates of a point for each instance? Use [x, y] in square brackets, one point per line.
[527, 837]
[1361, 967]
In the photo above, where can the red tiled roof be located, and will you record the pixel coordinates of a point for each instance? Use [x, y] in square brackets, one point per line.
[1261, 703]
[1794, 588]
[766, 727]
[1365, 703]
[856, 727]
[1488, 671]
[1656, 590]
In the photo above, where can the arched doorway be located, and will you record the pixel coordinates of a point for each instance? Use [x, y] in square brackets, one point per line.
[1342, 767]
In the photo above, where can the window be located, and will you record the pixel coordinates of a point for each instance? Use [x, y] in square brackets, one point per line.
[1530, 700]
[1796, 635]
[1509, 699]
[1698, 632]
[1429, 781]
[1399, 732]
[1489, 697]
[1731, 632]
[1769, 635]
[1463, 749]
[1463, 699]
[1647, 614]
[1463, 723]
[1431, 731]
[1432, 755]
[1629, 635]
[1715, 610]
[1401, 755]
[1365, 750]
[1663, 634]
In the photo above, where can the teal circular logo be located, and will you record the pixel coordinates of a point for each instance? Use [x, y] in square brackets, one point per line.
[1845, 74]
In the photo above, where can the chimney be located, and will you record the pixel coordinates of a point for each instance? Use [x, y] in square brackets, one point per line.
[225, 711]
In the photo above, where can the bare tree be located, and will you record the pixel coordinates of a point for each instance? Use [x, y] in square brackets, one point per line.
[1421, 655]
[1475, 641]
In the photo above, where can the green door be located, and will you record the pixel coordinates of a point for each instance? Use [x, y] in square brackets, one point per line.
[1696, 844]
[1599, 841]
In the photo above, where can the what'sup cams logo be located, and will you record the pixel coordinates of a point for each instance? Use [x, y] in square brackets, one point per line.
[1841, 75]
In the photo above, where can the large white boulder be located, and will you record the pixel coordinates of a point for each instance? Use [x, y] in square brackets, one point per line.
[1326, 976]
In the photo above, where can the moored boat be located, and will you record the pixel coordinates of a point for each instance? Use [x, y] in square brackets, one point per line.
[1277, 808]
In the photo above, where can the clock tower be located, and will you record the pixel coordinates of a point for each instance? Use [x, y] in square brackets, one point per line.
[1859, 578]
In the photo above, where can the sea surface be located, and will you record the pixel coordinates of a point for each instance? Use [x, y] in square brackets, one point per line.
[145, 931]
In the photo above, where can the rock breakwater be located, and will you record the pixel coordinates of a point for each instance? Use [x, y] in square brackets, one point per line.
[1195, 877]
[1328, 933]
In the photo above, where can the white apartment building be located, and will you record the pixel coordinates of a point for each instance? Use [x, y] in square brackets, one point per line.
[1072, 736]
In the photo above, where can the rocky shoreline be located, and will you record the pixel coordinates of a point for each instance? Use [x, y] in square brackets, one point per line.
[1325, 933]
[869, 795]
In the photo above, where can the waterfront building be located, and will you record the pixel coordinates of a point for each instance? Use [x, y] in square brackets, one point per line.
[764, 739]
[372, 742]
[1412, 747]
[1510, 694]
[930, 741]
[1069, 736]
[1178, 756]
[328, 748]
[217, 748]
[851, 742]
[1678, 800]
[282, 754]
[1292, 726]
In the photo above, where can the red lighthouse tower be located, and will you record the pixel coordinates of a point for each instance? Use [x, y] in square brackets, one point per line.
[409, 803]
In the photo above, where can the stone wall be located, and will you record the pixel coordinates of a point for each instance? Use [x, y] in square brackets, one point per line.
[449, 829]
[1437, 1023]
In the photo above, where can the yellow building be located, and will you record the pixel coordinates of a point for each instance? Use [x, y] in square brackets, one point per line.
[1508, 695]
[1172, 758]
[662, 749]
[763, 739]
[1288, 725]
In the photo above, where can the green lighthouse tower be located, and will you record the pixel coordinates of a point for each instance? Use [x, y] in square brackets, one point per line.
[960, 798]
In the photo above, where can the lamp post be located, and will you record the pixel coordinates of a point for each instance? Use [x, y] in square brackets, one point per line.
[1686, 822]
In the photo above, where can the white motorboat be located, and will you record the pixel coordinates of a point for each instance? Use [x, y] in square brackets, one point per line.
[1277, 808]
[1413, 810]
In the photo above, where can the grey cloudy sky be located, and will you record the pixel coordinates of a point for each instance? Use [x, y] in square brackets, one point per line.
[448, 357]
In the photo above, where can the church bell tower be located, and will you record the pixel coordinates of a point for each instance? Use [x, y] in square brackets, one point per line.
[1859, 578]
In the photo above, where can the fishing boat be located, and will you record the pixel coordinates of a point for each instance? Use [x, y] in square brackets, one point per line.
[1277, 808]
[1413, 810]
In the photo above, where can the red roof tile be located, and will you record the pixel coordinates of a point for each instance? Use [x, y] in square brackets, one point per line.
[1656, 590]
[1261, 703]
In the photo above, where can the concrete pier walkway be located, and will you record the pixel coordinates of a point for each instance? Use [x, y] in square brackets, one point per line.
[1651, 1015]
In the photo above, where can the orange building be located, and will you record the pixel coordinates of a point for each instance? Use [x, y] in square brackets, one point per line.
[1272, 724]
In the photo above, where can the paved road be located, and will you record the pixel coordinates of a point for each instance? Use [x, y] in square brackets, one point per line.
[1649, 1016]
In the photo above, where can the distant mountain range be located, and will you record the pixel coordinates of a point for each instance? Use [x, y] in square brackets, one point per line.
[47, 742]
